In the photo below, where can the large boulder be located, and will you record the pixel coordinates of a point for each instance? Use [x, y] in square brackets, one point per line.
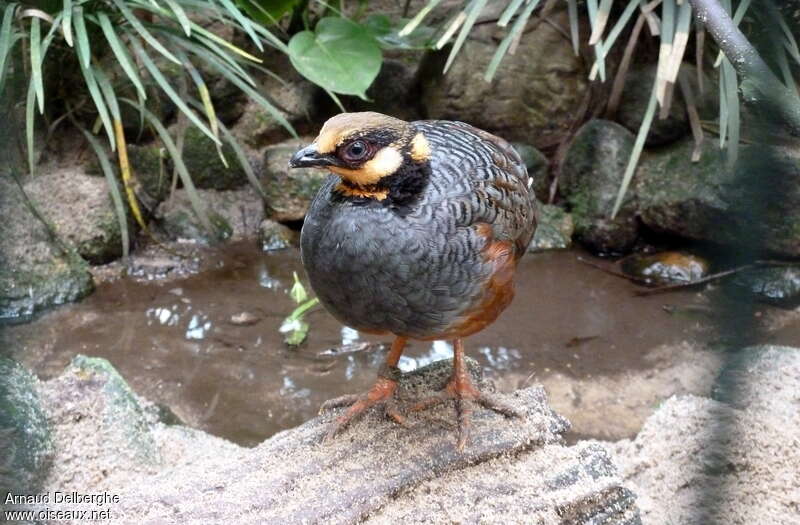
[590, 180]
[205, 165]
[288, 191]
[233, 215]
[534, 97]
[376, 472]
[636, 97]
[728, 460]
[37, 270]
[538, 168]
[24, 432]
[82, 212]
[553, 231]
[295, 98]
[756, 205]
[395, 91]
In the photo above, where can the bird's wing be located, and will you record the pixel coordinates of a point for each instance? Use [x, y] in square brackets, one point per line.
[484, 179]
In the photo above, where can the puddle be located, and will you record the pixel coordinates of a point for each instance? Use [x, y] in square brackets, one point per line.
[176, 344]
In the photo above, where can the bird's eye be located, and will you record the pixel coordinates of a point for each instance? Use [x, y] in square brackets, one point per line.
[356, 150]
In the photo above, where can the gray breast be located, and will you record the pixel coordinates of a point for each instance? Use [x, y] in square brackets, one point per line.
[376, 270]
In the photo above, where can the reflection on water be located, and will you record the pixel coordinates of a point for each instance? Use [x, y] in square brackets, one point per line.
[208, 345]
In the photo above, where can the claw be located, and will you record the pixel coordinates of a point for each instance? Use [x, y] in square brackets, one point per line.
[382, 393]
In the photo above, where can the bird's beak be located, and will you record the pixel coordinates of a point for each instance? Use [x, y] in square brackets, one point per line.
[309, 157]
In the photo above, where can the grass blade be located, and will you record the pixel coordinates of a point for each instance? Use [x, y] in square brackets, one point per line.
[121, 52]
[108, 92]
[475, 9]
[84, 48]
[169, 90]
[420, 16]
[35, 39]
[601, 63]
[253, 93]
[510, 11]
[241, 156]
[243, 21]
[636, 152]
[66, 22]
[209, 51]
[601, 19]
[180, 167]
[502, 49]
[30, 105]
[207, 105]
[84, 57]
[142, 31]
[732, 96]
[180, 15]
[116, 196]
[665, 49]
[608, 43]
[574, 32]
[6, 41]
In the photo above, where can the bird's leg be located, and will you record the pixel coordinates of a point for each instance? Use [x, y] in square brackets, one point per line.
[382, 392]
[461, 389]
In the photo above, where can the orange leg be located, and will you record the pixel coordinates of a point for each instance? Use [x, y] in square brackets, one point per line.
[464, 393]
[382, 392]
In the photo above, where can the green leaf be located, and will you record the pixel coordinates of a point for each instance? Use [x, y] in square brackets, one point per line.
[35, 39]
[121, 52]
[339, 55]
[298, 291]
[116, 195]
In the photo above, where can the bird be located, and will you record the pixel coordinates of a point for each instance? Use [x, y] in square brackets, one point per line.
[415, 233]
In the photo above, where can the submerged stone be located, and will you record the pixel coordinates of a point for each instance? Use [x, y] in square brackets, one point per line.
[274, 236]
[665, 268]
[775, 285]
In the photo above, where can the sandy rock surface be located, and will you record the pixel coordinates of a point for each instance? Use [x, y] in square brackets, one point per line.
[512, 471]
[729, 460]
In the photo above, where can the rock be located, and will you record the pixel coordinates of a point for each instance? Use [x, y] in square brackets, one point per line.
[375, 472]
[534, 97]
[296, 98]
[205, 166]
[636, 97]
[289, 191]
[274, 236]
[81, 210]
[590, 180]
[777, 285]
[698, 460]
[395, 91]
[152, 171]
[36, 271]
[538, 167]
[233, 214]
[756, 206]
[24, 433]
[665, 268]
[554, 231]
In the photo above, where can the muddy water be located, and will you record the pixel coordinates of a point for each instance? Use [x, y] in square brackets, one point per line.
[176, 342]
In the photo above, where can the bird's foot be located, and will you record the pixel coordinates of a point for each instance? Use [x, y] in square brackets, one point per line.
[381, 393]
[461, 390]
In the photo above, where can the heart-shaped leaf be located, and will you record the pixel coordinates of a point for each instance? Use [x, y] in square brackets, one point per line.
[339, 55]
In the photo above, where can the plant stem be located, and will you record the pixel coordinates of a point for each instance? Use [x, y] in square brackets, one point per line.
[759, 83]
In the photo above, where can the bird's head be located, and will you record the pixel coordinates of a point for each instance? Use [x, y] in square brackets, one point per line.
[364, 148]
